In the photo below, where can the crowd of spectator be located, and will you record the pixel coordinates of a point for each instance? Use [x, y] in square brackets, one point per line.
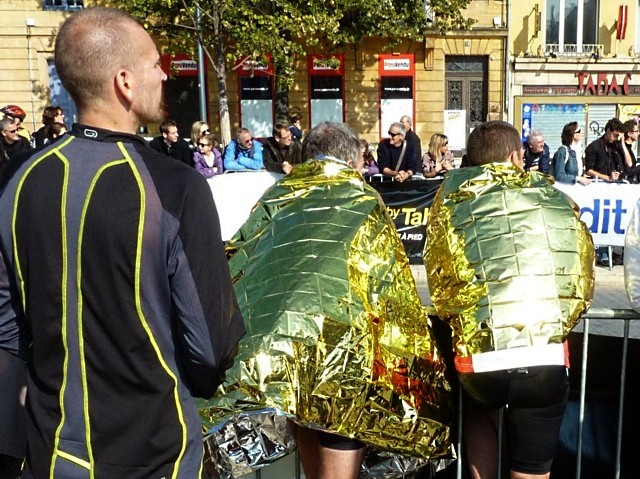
[610, 158]
[399, 156]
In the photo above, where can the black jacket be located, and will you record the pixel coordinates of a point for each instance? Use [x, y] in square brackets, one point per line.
[273, 156]
[388, 156]
[112, 264]
[604, 157]
[414, 139]
[178, 151]
[16, 148]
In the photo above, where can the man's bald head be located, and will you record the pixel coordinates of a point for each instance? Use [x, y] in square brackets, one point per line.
[91, 46]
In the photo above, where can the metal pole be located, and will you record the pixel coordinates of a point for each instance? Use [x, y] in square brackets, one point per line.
[500, 438]
[623, 375]
[583, 391]
[459, 444]
[201, 67]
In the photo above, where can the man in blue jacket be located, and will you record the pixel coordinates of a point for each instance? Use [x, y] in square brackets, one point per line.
[243, 153]
[536, 153]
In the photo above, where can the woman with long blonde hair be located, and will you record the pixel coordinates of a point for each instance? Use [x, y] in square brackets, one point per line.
[437, 160]
[198, 130]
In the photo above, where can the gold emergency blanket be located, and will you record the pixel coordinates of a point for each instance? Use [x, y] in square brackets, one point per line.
[508, 261]
[337, 337]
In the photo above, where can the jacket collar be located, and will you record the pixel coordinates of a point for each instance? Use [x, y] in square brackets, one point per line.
[98, 134]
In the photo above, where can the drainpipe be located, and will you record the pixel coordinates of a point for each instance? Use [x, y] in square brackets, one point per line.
[201, 66]
[507, 68]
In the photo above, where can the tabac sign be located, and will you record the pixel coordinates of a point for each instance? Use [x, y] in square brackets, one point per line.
[603, 83]
[589, 84]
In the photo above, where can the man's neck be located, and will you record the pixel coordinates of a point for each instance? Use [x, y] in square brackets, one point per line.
[108, 119]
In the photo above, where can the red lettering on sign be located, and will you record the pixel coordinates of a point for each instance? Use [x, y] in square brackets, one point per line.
[602, 83]
[625, 84]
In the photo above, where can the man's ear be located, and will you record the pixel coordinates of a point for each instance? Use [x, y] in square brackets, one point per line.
[516, 159]
[123, 83]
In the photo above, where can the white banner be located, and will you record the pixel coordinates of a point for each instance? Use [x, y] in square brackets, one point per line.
[235, 195]
[606, 209]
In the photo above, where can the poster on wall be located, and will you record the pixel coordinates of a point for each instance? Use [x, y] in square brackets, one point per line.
[326, 99]
[256, 105]
[455, 124]
[396, 101]
[550, 119]
[326, 90]
[255, 78]
[396, 89]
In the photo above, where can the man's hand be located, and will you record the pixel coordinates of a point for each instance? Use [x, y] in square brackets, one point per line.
[403, 175]
[583, 180]
[286, 167]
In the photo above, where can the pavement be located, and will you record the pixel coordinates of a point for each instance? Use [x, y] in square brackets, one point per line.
[609, 293]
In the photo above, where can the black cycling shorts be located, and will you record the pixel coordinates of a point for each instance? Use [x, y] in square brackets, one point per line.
[337, 442]
[536, 398]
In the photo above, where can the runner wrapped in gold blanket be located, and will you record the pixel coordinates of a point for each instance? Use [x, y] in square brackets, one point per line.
[337, 337]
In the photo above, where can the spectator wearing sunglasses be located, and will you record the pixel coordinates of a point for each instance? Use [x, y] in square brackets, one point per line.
[208, 159]
[281, 153]
[17, 115]
[13, 143]
[438, 159]
[198, 130]
[396, 157]
[566, 163]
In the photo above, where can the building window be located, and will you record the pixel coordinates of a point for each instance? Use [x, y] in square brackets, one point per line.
[572, 22]
[63, 4]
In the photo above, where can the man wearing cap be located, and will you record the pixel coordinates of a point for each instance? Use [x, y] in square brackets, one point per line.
[17, 115]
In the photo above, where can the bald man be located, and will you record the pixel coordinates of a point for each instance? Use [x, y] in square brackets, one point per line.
[114, 286]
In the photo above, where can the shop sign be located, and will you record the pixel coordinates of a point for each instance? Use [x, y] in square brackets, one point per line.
[594, 84]
[602, 83]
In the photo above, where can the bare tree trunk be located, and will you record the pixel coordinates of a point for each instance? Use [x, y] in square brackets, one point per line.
[223, 99]
[220, 67]
[282, 101]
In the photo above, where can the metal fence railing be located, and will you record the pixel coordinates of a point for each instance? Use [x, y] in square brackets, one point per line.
[289, 466]
[567, 50]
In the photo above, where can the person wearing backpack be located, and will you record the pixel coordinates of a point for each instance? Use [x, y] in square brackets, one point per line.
[566, 168]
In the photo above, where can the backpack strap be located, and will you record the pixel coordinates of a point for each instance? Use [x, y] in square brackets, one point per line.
[404, 148]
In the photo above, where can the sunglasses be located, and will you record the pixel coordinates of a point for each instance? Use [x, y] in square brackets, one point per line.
[393, 134]
[203, 144]
[204, 132]
[578, 131]
[11, 131]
